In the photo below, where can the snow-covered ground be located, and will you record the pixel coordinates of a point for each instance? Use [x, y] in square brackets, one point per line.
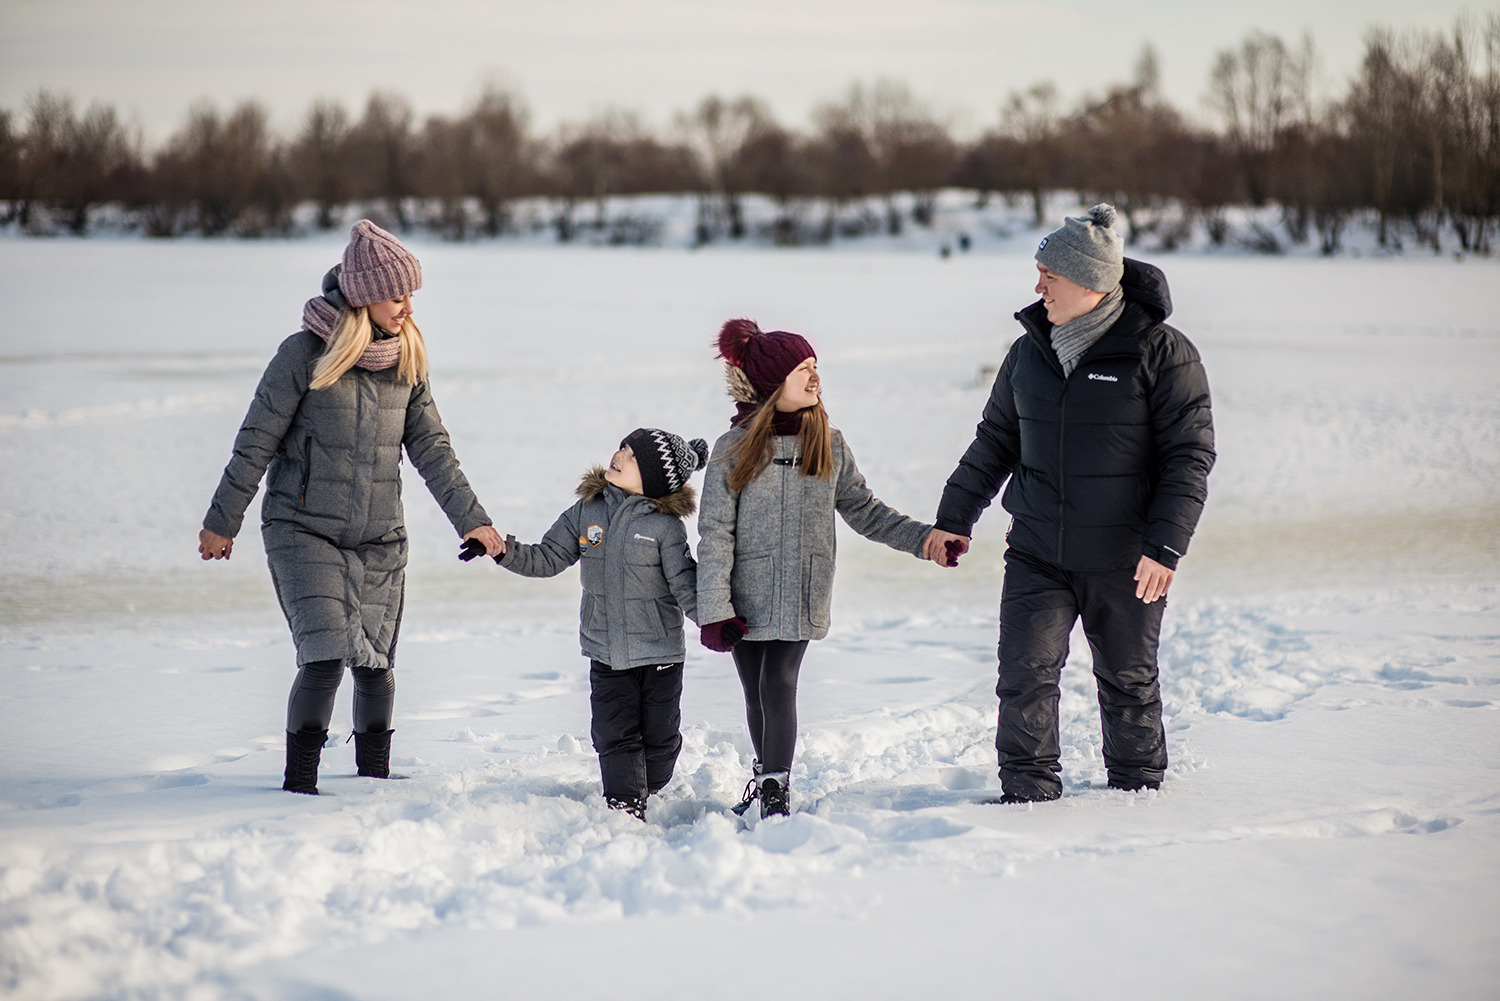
[1330, 827]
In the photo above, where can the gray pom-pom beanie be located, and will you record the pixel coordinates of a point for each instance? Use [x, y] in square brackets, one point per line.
[1086, 251]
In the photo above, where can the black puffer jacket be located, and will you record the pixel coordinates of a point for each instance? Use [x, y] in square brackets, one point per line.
[1105, 465]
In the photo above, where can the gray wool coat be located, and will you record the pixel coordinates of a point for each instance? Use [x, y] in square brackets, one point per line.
[332, 519]
[766, 554]
[639, 577]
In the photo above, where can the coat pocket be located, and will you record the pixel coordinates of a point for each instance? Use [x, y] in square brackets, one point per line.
[643, 619]
[593, 626]
[752, 588]
[819, 589]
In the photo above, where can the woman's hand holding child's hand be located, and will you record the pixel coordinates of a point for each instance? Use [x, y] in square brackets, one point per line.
[482, 541]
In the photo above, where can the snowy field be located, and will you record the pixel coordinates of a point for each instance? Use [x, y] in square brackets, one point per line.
[1330, 826]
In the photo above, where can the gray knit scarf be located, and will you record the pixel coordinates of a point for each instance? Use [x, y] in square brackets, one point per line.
[1070, 340]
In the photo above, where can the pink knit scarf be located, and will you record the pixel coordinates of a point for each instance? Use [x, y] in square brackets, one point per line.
[321, 316]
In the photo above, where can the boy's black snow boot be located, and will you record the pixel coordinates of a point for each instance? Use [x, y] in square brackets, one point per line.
[775, 798]
[372, 754]
[635, 807]
[304, 748]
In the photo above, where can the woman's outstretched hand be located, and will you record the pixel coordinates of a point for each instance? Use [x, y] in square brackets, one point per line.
[944, 548]
[214, 547]
[489, 538]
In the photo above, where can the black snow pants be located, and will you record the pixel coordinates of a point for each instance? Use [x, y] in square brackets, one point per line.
[1038, 605]
[637, 719]
[310, 704]
[768, 672]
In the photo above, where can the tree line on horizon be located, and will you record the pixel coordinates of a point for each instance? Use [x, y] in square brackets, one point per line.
[1413, 140]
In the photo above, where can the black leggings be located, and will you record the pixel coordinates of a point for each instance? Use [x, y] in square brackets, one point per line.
[310, 706]
[768, 672]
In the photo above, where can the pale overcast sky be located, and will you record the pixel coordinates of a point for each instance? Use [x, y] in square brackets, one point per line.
[571, 58]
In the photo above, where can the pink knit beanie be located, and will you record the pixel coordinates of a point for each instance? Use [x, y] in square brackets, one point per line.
[376, 267]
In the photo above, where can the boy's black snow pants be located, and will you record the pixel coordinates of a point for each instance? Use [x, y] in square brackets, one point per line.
[637, 719]
[310, 704]
[1038, 605]
[768, 673]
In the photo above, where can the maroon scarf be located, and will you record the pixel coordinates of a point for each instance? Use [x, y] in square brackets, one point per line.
[783, 423]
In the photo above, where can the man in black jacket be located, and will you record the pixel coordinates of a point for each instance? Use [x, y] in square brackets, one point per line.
[1100, 421]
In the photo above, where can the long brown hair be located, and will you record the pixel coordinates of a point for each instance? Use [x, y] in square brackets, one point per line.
[353, 334]
[753, 452]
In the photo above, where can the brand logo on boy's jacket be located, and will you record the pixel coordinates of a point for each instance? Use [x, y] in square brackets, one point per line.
[592, 536]
[1104, 378]
[644, 538]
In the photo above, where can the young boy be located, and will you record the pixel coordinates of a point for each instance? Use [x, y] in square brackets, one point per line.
[639, 579]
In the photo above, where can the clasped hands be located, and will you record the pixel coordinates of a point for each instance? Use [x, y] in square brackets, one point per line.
[482, 541]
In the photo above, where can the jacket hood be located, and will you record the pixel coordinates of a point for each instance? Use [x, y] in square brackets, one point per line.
[680, 504]
[1144, 284]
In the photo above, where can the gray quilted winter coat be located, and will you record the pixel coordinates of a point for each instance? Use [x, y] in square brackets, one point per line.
[766, 554]
[639, 578]
[331, 518]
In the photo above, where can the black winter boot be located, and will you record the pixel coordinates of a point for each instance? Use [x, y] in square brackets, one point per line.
[752, 790]
[372, 754]
[304, 748]
[635, 807]
[775, 798]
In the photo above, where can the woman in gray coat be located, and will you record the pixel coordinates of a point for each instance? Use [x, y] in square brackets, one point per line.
[327, 426]
[766, 536]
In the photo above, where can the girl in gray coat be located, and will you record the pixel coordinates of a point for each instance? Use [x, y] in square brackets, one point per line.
[328, 423]
[766, 536]
[639, 580]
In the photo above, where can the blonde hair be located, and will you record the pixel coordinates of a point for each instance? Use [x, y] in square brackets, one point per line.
[353, 334]
[753, 452]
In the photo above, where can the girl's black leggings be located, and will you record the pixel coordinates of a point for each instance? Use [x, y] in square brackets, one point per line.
[768, 672]
[310, 705]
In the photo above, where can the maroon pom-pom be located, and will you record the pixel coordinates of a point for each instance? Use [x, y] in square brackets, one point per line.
[734, 337]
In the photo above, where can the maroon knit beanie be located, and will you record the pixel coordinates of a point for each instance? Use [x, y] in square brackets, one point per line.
[766, 358]
[376, 267]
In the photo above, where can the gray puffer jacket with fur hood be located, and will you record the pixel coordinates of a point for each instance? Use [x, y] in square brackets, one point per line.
[638, 574]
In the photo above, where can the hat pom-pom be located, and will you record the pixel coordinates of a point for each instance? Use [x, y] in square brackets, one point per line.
[700, 449]
[1103, 214]
[734, 337]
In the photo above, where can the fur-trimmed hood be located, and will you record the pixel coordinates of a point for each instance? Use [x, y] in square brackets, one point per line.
[680, 504]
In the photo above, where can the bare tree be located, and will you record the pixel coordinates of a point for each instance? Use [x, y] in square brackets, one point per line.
[773, 163]
[320, 160]
[43, 148]
[1260, 89]
[1123, 149]
[1383, 107]
[382, 149]
[499, 166]
[718, 130]
[909, 147]
[10, 165]
[1032, 118]
[222, 161]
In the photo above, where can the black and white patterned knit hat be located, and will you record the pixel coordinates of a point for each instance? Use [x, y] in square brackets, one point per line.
[666, 460]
